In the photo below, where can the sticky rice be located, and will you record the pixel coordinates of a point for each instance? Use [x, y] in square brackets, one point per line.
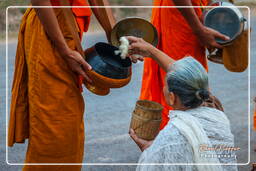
[123, 48]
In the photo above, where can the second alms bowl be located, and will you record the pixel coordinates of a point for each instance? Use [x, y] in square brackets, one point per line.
[134, 26]
[108, 70]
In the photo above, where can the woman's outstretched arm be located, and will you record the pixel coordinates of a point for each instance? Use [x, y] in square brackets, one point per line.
[143, 48]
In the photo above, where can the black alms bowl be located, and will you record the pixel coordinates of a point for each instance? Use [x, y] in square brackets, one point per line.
[103, 60]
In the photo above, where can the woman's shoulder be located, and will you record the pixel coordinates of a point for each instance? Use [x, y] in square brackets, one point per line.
[209, 113]
[208, 109]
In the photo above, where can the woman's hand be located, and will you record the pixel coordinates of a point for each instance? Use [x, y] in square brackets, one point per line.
[77, 63]
[135, 58]
[143, 144]
[138, 46]
[207, 37]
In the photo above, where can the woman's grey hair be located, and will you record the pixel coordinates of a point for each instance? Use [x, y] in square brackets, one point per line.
[188, 79]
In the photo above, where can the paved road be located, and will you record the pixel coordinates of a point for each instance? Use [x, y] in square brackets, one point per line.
[107, 118]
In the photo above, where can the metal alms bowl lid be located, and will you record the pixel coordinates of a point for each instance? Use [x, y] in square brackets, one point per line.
[134, 26]
[226, 19]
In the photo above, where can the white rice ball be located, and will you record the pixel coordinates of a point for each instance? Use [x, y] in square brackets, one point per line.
[123, 48]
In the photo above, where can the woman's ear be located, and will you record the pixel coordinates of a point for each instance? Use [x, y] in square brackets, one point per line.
[171, 98]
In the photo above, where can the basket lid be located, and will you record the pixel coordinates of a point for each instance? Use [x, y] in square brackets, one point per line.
[149, 105]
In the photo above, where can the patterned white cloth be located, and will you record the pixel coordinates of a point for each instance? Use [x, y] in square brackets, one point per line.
[189, 131]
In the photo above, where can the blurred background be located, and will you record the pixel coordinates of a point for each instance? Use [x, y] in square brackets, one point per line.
[107, 118]
[15, 15]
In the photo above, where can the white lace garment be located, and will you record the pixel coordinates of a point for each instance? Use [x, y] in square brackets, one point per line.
[173, 145]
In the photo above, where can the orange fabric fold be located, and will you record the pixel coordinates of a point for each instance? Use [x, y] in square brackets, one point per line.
[254, 119]
[46, 106]
[177, 40]
[82, 15]
[254, 116]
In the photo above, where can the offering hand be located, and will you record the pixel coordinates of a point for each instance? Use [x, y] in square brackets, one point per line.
[123, 51]
[136, 57]
[143, 144]
[138, 46]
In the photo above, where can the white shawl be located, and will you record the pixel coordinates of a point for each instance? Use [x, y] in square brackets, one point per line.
[179, 142]
[191, 128]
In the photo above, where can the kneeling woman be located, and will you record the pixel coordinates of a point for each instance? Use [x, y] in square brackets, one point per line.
[195, 134]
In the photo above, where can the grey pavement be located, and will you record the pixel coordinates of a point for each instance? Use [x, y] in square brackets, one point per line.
[107, 118]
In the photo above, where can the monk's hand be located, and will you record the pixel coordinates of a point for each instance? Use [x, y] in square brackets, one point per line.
[138, 46]
[207, 37]
[143, 144]
[77, 63]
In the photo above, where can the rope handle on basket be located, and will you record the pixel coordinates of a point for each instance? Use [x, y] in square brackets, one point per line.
[71, 22]
[146, 120]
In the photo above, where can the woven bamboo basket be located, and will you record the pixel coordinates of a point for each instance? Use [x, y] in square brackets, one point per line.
[146, 119]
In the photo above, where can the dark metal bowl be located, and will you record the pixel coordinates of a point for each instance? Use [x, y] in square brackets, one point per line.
[134, 26]
[104, 61]
[226, 19]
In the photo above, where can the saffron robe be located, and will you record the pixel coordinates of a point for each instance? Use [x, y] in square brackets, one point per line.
[177, 40]
[46, 105]
[254, 116]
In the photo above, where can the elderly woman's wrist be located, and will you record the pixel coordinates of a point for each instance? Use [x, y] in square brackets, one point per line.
[152, 52]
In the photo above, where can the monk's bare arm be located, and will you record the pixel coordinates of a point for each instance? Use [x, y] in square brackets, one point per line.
[190, 15]
[50, 24]
[210, 2]
[205, 35]
[103, 15]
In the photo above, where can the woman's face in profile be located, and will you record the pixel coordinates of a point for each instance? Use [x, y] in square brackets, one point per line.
[167, 94]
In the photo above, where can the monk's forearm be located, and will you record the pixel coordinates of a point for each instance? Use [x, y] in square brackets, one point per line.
[50, 24]
[210, 2]
[103, 15]
[190, 15]
[163, 60]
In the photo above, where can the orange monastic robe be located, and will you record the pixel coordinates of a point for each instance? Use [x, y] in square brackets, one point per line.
[175, 39]
[47, 106]
[254, 116]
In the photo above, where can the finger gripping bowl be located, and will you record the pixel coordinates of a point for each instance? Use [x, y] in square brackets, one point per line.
[226, 19]
[108, 70]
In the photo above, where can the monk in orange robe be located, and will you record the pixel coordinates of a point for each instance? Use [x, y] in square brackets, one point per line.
[181, 34]
[47, 106]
